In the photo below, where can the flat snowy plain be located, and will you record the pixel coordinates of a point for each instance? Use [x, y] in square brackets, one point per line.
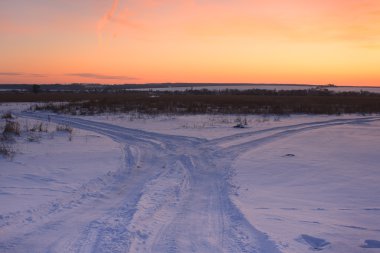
[133, 183]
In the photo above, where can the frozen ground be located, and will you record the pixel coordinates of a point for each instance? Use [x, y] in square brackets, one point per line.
[129, 183]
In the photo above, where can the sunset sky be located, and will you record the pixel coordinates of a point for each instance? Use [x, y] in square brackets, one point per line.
[139, 41]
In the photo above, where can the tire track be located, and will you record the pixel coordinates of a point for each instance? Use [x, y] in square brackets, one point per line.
[171, 195]
[335, 122]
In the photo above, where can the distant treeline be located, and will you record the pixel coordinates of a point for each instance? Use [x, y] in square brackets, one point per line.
[254, 101]
[102, 88]
[320, 91]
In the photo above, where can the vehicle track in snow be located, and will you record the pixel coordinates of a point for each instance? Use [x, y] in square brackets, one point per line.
[170, 195]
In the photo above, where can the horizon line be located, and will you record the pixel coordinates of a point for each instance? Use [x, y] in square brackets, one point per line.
[195, 83]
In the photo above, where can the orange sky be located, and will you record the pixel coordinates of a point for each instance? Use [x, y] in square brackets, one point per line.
[139, 41]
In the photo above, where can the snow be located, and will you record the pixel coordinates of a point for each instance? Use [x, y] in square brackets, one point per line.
[53, 166]
[207, 126]
[136, 183]
[329, 189]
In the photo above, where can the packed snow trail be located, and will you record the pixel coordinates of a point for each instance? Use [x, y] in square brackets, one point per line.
[171, 195]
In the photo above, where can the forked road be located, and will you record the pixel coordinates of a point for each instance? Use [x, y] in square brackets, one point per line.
[170, 195]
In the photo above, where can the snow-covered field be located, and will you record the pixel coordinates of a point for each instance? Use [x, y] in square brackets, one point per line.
[133, 183]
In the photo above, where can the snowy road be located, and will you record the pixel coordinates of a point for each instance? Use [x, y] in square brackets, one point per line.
[171, 195]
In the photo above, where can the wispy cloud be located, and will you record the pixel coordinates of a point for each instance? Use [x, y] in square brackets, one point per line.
[107, 17]
[121, 17]
[137, 15]
[102, 77]
[22, 74]
[10, 74]
[349, 22]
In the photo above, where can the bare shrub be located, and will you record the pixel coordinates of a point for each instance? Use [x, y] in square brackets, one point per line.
[7, 115]
[6, 150]
[33, 137]
[64, 128]
[67, 129]
[11, 128]
[39, 127]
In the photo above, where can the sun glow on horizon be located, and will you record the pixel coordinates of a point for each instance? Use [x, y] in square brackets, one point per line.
[140, 41]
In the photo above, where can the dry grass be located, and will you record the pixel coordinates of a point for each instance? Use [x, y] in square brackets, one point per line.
[204, 101]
